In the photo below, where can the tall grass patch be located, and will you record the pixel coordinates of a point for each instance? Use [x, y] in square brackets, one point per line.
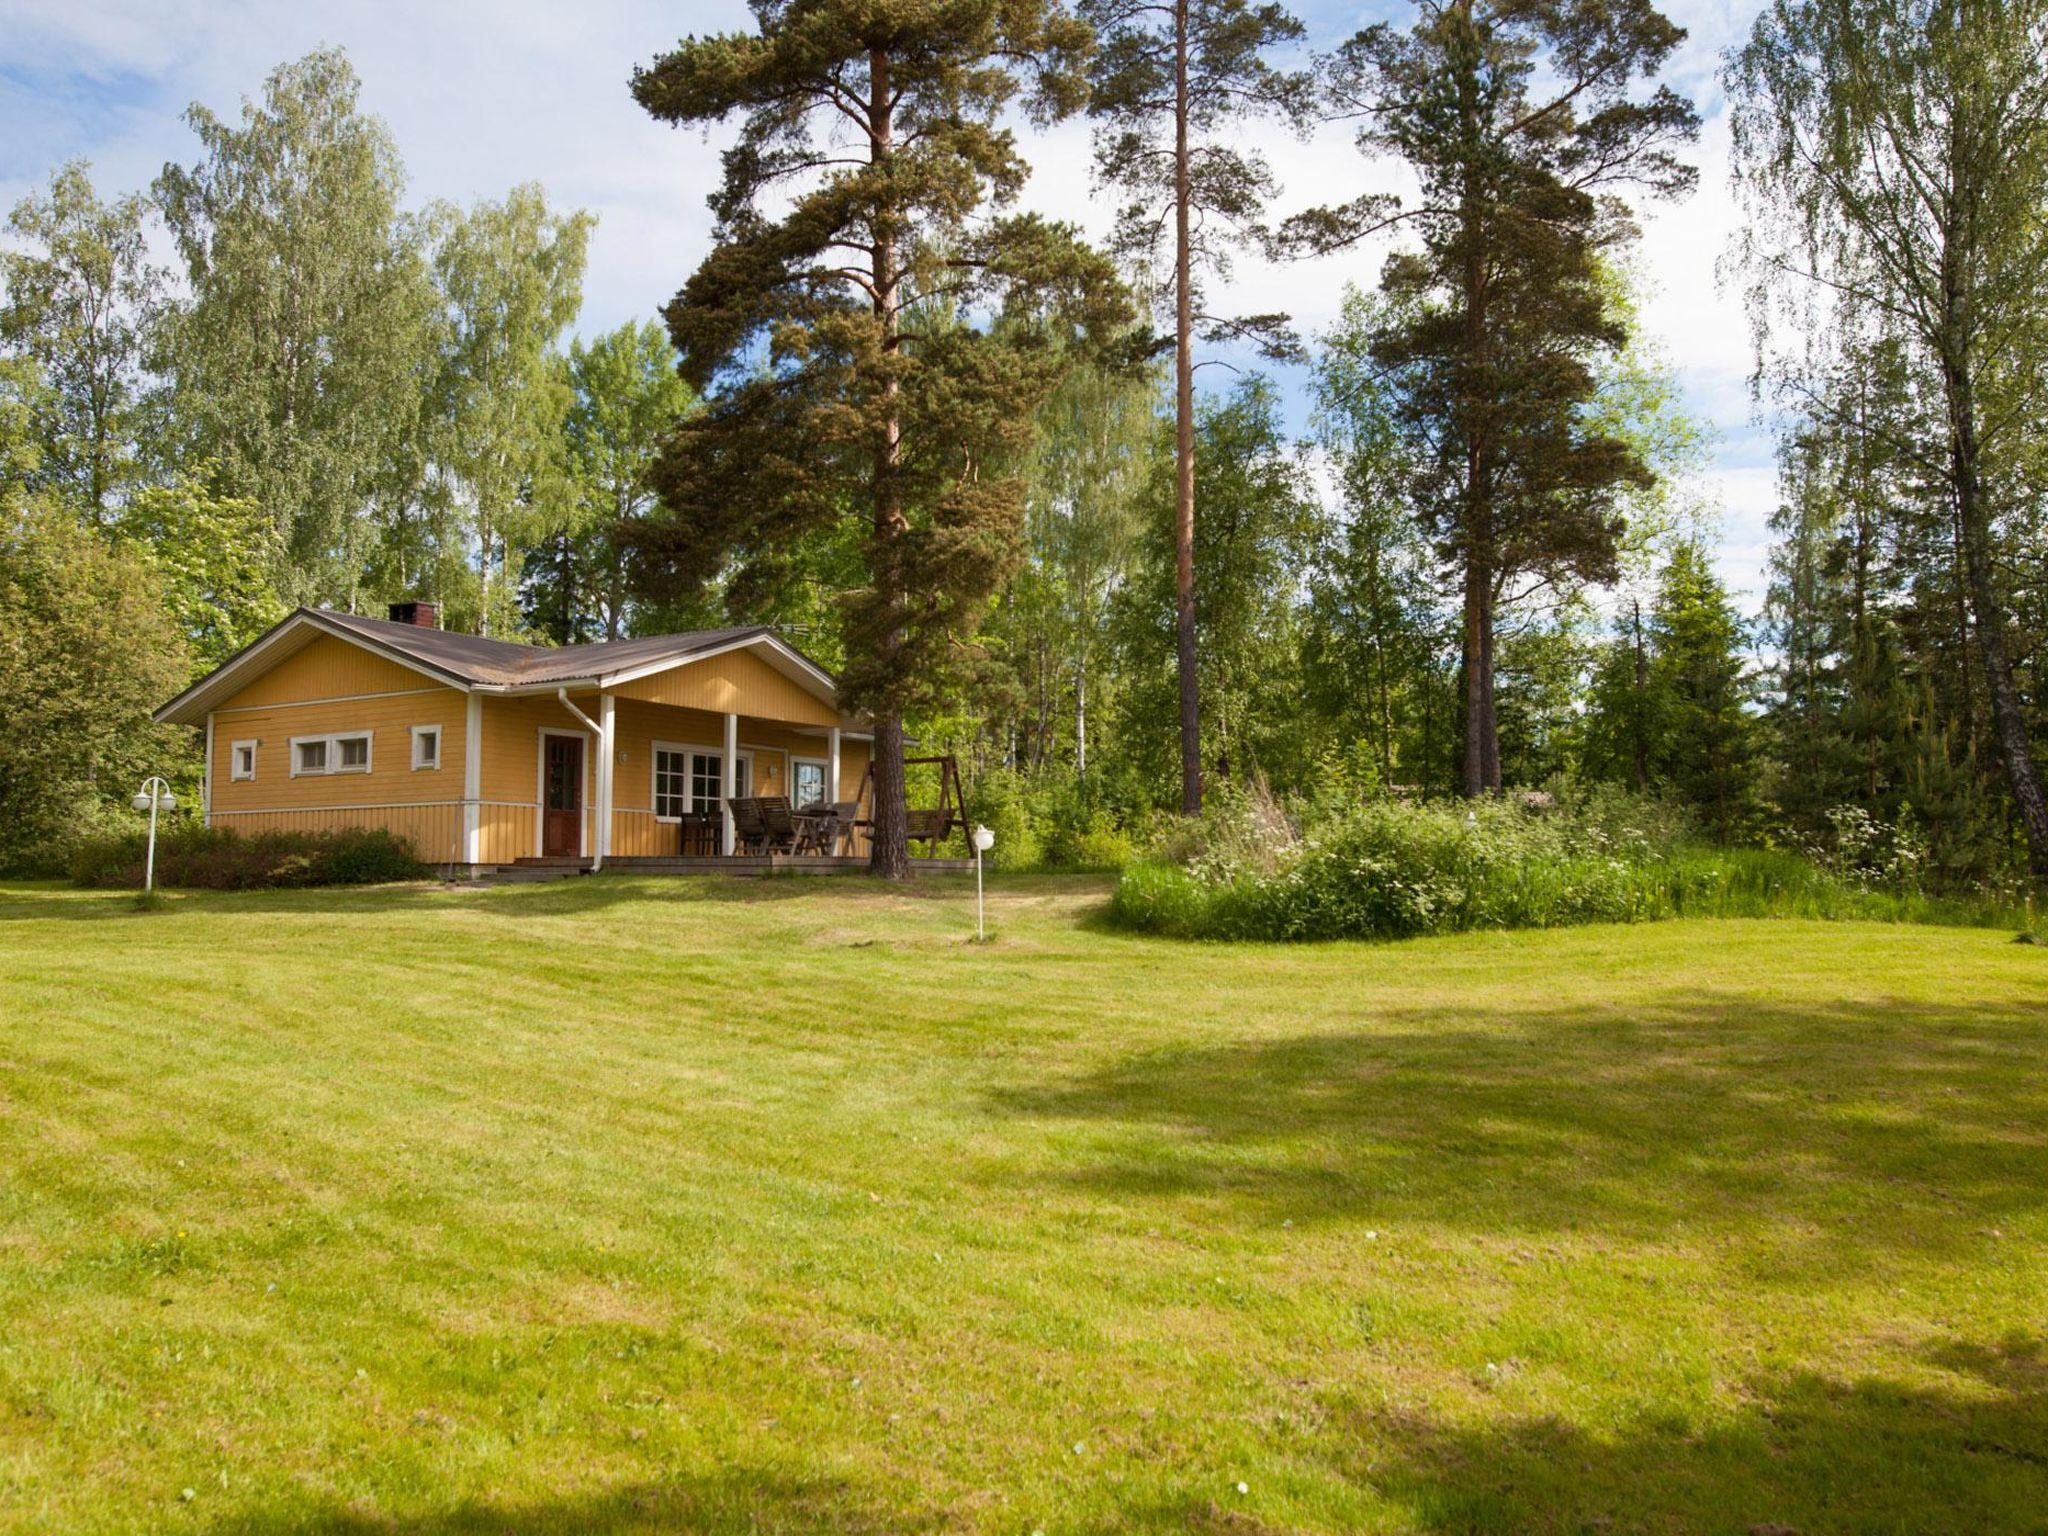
[1391, 870]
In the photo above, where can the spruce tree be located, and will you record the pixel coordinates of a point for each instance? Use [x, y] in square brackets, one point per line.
[871, 331]
[1708, 749]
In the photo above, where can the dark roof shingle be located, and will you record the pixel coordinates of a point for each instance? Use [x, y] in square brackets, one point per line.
[475, 659]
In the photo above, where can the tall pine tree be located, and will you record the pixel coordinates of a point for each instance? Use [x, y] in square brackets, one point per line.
[844, 328]
[1174, 83]
[1518, 121]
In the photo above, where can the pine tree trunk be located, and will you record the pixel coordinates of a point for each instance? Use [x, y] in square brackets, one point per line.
[1974, 523]
[1478, 692]
[1639, 734]
[1184, 431]
[1489, 735]
[889, 847]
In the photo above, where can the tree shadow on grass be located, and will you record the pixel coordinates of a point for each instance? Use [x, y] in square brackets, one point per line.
[1808, 1454]
[1864, 1126]
[1804, 1455]
[734, 1500]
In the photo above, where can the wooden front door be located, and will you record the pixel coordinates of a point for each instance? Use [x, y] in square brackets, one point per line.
[561, 804]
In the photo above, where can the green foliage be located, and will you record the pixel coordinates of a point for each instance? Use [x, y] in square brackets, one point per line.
[1172, 143]
[626, 398]
[1261, 523]
[216, 557]
[1398, 870]
[1892, 159]
[215, 859]
[1049, 820]
[78, 300]
[873, 329]
[510, 278]
[1085, 483]
[87, 650]
[298, 361]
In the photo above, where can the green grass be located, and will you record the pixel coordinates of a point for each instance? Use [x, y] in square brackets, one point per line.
[632, 1206]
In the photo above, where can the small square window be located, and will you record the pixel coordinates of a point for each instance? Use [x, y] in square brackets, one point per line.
[312, 755]
[426, 746]
[242, 760]
[355, 754]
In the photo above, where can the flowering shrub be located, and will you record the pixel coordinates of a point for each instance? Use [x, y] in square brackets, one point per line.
[1395, 870]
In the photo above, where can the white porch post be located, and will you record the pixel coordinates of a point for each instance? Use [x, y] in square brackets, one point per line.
[727, 781]
[473, 781]
[832, 765]
[607, 754]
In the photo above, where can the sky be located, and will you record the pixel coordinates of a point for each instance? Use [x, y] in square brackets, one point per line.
[482, 95]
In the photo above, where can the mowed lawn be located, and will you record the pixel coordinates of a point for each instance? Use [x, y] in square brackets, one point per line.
[623, 1205]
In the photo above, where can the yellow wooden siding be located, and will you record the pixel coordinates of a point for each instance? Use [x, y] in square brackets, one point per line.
[435, 831]
[504, 833]
[853, 767]
[510, 772]
[328, 668]
[392, 780]
[736, 682]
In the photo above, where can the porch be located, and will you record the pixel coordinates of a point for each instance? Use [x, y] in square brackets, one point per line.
[646, 768]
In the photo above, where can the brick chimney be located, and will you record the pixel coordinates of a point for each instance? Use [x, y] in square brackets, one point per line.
[425, 615]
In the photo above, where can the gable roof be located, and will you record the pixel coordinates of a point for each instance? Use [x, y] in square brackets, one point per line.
[473, 662]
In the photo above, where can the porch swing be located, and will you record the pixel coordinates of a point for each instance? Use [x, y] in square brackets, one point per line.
[930, 825]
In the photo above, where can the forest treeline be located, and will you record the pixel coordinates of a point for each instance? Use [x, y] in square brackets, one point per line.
[961, 454]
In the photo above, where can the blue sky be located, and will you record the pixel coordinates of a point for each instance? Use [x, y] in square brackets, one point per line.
[483, 94]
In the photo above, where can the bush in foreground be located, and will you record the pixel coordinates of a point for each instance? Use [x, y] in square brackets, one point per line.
[212, 858]
[1392, 870]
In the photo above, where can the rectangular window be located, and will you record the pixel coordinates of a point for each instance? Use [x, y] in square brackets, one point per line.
[670, 799]
[426, 746]
[341, 753]
[807, 782]
[705, 773]
[242, 760]
[686, 780]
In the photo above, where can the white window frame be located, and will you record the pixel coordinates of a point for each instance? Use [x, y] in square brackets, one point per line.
[824, 777]
[687, 748]
[422, 733]
[333, 741]
[235, 751]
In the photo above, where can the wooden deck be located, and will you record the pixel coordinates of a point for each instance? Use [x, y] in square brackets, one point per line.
[752, 865]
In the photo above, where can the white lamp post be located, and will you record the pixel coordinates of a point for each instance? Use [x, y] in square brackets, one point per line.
[154, 795]
[983, 838]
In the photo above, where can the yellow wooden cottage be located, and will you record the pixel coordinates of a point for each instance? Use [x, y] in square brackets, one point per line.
[485, 752]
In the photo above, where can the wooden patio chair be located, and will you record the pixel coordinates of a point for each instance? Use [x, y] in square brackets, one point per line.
[749, 832]
[778, 824]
